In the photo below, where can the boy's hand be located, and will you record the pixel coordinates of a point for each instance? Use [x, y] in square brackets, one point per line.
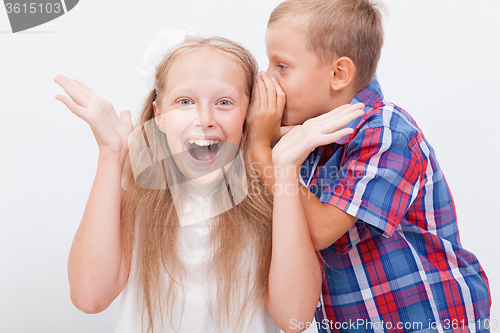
[295, 146]
[266, 109]
[111, 131]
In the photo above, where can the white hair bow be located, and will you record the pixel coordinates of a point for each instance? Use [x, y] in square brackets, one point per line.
[166, 40]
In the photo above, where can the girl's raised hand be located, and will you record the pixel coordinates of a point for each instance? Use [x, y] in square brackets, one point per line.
[110, 130]
[296, 145]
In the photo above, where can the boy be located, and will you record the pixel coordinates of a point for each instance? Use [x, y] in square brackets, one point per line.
[382, 215]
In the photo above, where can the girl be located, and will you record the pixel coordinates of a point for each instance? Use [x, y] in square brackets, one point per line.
[189, 239]
[186, 270]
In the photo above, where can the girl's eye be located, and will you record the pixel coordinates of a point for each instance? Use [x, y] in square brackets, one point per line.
[282, 67]
[224, 102]
[184, 102]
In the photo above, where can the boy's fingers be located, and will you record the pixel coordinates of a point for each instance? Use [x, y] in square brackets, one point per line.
[271, 90]
[72, 89]
[281, 97]
[262, 90]
[256, 94]
[72, 106]
[254, 101]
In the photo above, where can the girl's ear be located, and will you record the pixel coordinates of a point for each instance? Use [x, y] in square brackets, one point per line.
[157, 113]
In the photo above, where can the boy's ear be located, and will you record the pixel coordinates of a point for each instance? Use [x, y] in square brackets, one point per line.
[158, 122]
[343, 72]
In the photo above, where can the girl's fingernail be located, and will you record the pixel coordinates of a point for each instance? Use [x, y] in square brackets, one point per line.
[273, 78]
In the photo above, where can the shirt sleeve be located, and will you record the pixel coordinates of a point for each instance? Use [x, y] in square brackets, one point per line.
[377, 182]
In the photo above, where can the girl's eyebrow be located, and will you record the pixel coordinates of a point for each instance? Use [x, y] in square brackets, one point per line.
[223, 90]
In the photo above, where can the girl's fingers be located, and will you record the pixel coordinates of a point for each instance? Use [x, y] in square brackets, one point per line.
[339, 116]
[72, 106]
[350, 108]
[86, 90]
[332, 113]
[130, 139]
[335, 136]
[346, 118]
[127, 116]
[335, 124]
[330, 121]
[343, 110]
[73, 90]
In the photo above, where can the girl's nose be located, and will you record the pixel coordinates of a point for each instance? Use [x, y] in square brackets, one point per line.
[205, 117]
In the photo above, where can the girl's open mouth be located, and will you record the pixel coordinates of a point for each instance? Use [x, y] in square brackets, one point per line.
[204, 150]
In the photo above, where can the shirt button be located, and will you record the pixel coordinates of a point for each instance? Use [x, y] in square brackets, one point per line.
[319, 304]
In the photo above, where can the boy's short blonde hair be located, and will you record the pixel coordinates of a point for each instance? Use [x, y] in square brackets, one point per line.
[337, 28]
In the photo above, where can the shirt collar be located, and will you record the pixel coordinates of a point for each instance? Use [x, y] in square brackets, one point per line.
[369, 96]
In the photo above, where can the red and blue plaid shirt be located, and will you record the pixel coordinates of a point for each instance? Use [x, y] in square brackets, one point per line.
[401, 267]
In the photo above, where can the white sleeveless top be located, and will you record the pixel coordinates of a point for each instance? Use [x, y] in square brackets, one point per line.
[195, 316]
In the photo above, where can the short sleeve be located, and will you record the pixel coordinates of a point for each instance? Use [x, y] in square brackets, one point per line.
[377, 181]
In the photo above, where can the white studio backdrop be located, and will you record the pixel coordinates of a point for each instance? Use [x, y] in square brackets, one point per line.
[439, 62]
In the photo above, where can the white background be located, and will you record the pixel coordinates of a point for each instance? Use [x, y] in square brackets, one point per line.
[439, 62]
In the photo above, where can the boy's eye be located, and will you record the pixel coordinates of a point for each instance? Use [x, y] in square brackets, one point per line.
[224, 102]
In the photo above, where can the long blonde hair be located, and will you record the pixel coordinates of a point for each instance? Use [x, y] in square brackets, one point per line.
[150, 222]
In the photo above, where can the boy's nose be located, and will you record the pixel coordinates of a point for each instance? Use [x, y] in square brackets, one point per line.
[205, 117]
[269, 71]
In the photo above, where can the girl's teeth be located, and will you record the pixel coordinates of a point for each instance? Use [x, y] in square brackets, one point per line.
[203, 142]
